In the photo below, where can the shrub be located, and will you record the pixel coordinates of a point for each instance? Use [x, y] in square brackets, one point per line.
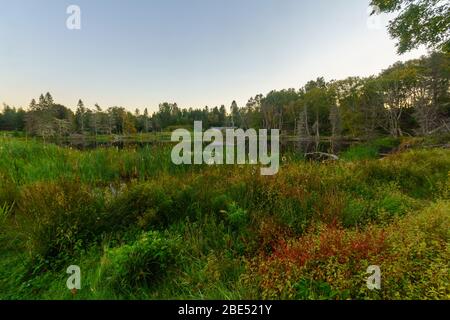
[141, 263]
[356, 212]
[330, 262]
[380, 205]
[444, 188]
[309, 289]
[237, 217]
[147, 204]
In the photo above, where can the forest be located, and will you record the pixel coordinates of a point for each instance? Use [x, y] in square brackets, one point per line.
[406, 99]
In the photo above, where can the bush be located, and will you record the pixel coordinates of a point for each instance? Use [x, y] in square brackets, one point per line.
[236, 216]
[148, 204]
[308, 289]
[141, 263]
[356, 212]
[380, 205]
[153, 204]
[412, 253]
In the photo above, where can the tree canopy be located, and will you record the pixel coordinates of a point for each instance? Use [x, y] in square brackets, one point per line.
[418, 22]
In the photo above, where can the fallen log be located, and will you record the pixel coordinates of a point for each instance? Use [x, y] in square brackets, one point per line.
[320, 156]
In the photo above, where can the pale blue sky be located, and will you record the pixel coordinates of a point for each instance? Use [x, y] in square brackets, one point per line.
[138, 53]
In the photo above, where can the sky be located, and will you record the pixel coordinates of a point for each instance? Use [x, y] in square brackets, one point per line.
[139, 53]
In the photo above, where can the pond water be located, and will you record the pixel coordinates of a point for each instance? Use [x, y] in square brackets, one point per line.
[295, 146]
[309, 146]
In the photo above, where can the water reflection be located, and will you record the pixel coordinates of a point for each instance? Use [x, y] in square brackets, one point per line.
[305, 146]
[296, 146]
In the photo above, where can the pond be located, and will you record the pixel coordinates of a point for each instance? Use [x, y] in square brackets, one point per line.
[287, 145]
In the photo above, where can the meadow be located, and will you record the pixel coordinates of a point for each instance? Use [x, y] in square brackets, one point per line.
[141, 227]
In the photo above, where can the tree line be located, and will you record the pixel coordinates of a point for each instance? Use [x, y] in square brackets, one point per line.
[408, 98]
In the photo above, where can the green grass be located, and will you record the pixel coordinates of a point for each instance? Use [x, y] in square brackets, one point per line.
[26, 162]
[142, 228]
[370, 150]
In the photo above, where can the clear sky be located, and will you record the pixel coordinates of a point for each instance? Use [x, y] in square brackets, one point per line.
[138, 53]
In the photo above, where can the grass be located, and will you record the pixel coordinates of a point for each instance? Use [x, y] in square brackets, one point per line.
[27, 162]
[142, 228]
[371, 150]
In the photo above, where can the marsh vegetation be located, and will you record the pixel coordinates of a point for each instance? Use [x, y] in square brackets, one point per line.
[142, 227]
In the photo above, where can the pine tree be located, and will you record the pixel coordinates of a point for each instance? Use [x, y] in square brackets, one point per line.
[48, 100]
[33, 105]
[80, 115]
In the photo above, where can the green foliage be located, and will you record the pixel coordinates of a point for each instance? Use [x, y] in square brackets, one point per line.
[360, 153]
[318, 290]
[236, 216]
[141, 263]
[222, 232]
[147, 204]
[330, 262]
[5, 212]
[370, 150]
[357, 211]
[382, 206]
[59, 220]
[386, 143]
[8, 189]
[423, 22]
[31, 161]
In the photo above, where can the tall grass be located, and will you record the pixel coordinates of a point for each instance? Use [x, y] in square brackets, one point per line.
[27, 162]
[141, 227]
